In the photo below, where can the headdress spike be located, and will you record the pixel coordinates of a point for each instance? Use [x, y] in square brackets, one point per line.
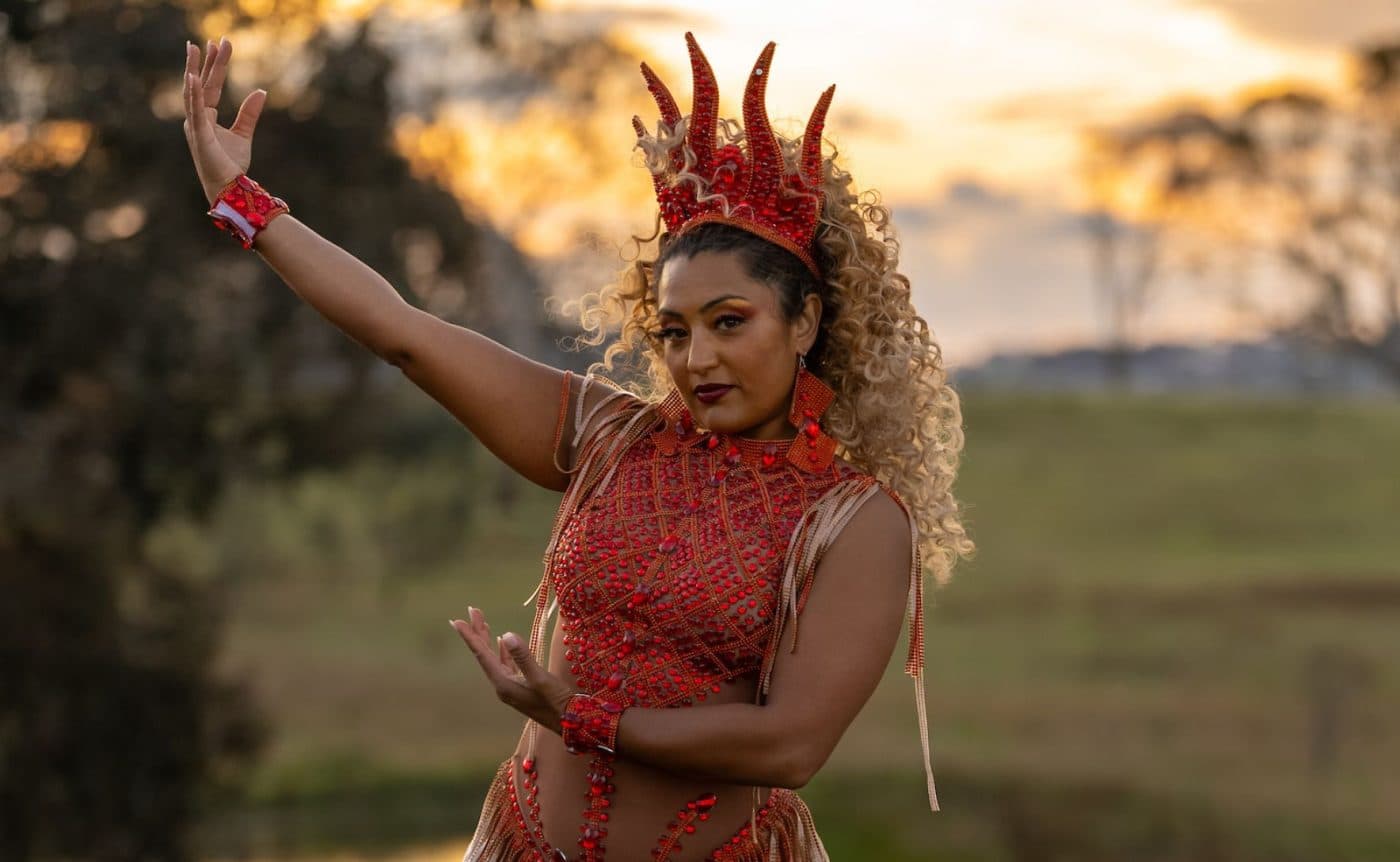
[664, 100]
[812, 141]
[765, 158]
[704, 106]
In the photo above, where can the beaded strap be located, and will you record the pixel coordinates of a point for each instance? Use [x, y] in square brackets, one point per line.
[245, 209]
[590, 724]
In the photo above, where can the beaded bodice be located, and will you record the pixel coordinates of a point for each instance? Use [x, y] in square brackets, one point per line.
[668, 583]
[677, 560]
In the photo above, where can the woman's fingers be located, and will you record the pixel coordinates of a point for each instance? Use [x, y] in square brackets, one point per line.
[209, 53]
[199, 120]
[192, 113]
[468, 636]
[218, 70]
[248, 113]
[479, 641]
[535, 676]
[507, 688]
[191, 84]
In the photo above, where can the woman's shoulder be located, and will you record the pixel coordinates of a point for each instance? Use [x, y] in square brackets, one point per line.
[594, 409]
[878, 508]
[849, 472]
[597, 390]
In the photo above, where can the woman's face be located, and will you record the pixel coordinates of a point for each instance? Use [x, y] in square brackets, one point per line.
[716, 325]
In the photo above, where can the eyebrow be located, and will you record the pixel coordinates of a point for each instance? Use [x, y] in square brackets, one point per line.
[706, 307]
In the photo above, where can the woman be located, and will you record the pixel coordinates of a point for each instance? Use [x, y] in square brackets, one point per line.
[792, 457]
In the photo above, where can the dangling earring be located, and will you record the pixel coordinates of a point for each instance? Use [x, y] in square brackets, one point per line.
[812, 449]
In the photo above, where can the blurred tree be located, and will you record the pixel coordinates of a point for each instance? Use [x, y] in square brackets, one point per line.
[1304, 179]
[144, 360]
[1126, 257]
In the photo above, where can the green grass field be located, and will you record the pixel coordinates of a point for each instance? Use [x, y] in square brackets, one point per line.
[1179, 641]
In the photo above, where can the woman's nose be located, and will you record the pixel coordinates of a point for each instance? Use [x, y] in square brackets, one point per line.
[702, 353]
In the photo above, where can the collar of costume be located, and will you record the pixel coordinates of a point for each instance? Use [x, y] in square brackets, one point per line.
[748, 187]
[811, 450]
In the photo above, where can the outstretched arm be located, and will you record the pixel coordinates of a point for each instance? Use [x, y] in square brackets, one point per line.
[507, 400]
[848, 631]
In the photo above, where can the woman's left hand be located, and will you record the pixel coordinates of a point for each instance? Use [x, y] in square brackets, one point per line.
[519, 680]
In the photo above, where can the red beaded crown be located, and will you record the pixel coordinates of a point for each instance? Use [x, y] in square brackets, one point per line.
[750, 187]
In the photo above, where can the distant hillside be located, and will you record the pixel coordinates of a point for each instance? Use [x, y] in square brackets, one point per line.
[1273, 367]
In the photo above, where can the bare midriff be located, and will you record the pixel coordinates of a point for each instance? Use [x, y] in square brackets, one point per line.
[646, 799]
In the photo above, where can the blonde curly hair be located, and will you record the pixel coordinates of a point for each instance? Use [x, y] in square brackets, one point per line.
[895, 415]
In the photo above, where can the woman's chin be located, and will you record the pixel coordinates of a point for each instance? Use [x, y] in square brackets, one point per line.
[716, 417]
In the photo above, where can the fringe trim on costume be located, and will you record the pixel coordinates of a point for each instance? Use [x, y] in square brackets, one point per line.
[792, 836]
[813, 535]
[497, 837]
[914, 664]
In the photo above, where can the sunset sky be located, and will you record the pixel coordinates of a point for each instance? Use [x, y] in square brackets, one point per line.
[965, 116]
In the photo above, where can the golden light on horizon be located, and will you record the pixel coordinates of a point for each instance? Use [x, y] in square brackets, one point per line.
[994, 96]
[926, 94]
[998, 91]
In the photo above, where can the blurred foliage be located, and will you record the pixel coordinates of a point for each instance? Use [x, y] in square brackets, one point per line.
[374, 519]
[1305, 180]
[1178, 644]
[148, 366]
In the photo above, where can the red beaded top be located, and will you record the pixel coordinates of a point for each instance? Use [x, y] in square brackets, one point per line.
[679, 557]
[668, 582]
[748, 187]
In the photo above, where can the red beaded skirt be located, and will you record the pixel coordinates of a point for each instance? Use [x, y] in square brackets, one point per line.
[785, 831]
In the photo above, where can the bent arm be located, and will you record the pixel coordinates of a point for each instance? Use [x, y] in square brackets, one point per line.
[738, 743]
[849, 628]
[508, 401]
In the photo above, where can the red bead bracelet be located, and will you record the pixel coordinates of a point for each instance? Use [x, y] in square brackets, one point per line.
[245, 209]
[589, 723]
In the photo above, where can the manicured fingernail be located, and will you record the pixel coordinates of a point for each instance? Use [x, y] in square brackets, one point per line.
[511, 640]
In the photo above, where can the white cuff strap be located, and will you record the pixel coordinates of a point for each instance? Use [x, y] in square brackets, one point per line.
[223, 208]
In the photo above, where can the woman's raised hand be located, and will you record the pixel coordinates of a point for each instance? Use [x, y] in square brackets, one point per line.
[219, 153]
[518, 679]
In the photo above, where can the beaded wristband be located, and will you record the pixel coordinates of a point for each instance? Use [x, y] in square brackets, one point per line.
[244, 209]
[589, 723]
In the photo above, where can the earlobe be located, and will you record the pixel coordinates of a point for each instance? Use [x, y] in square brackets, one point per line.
[808, 321]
